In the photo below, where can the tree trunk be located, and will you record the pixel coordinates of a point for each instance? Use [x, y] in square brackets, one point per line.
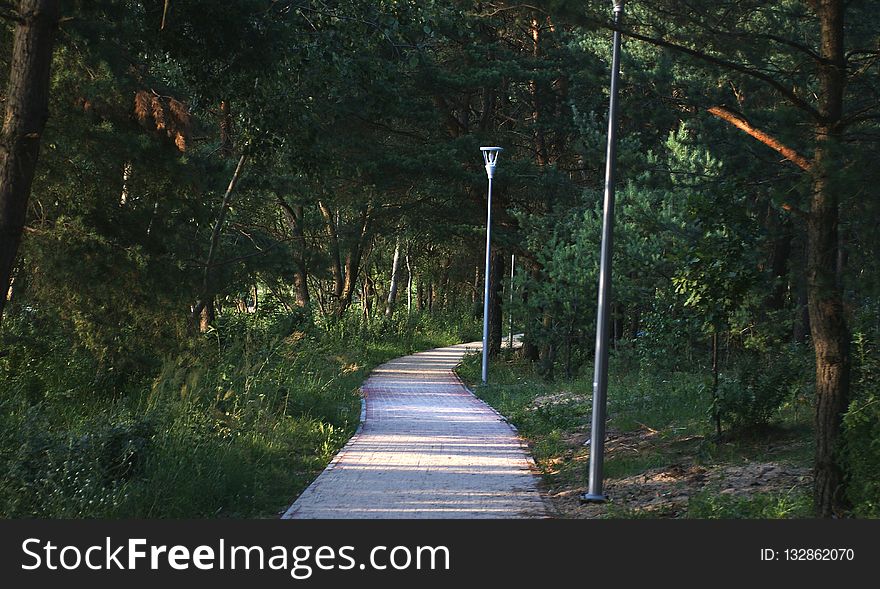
[301, 286]
[547, 354]
[409, 285]
[443, 284]
[530, 350]
[207, 316]
[716, 413]
[828, 326]
[830, 337]
[395, 276]
[802, 320]
[616, 324]
[536, 92]
[353, 263]
[225, 130]
[335, 259]
[27, 109]
[294, 217]
[208, 288]
[781, 230]
[475, 298]
[369, 292]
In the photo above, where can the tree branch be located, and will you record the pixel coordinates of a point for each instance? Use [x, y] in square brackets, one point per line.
[788, 153]
[742, 124]
[164, 15]
[738, 67]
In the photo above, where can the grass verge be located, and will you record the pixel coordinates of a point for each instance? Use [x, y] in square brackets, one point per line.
[662, 459]
[236, 424]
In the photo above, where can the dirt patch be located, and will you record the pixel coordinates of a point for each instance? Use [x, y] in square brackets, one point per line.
[616, 443]
[665, 491]
[760, 477]
[560, 398]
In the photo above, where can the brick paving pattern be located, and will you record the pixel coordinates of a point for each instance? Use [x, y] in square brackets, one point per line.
[427, 448]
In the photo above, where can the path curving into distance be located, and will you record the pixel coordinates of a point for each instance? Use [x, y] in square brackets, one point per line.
[427, 448]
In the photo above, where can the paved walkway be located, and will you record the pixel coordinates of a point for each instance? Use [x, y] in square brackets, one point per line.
[427, 448]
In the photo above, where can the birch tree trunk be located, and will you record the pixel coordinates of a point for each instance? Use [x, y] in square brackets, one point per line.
[409, 284]
[395, 273]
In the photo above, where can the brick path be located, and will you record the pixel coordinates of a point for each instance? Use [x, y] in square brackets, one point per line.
[427, 448]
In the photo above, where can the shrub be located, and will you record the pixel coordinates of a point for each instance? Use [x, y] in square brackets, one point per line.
[751, 394]
[861, 431]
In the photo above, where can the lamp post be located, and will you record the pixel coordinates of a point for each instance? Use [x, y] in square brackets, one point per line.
[595, 492]
[490, 158]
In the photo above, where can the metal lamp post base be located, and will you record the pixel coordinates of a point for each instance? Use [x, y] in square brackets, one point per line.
[590, 498]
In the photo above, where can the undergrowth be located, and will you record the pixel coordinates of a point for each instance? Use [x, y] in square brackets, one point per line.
[235, 423]
[671, 411]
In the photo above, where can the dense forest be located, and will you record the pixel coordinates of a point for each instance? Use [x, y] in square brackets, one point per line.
[216, 218]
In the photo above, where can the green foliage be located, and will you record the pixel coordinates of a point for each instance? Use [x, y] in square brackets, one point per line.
[751, 394]
[543, 411]
[709, 504]
[657, 421]
[235, 425]
[82, 472]
[861, 431]
[360, 123]
[666, 341]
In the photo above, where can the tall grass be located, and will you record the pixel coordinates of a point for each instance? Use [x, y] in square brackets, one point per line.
[635, 398]
[235, 424]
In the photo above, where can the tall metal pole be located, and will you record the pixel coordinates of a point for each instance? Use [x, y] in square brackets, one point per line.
[485, 372]
[600, 378]
[490, 157]
[510, 308]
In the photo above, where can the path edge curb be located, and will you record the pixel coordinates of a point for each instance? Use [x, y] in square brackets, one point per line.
[549, 508]
[290, 511]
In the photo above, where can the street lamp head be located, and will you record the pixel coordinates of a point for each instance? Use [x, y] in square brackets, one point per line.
[618, 5]
[490, 158]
